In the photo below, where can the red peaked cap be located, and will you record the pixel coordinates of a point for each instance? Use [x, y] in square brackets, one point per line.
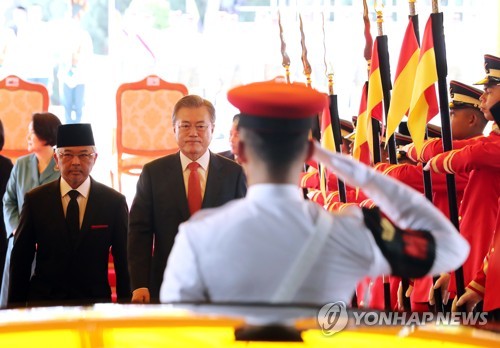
[276, 106]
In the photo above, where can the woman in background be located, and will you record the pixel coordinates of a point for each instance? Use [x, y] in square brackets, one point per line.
[30, 171]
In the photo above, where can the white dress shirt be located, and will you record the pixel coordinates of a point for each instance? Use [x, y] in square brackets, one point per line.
[82, 198]
[203, 161]
[241, 251]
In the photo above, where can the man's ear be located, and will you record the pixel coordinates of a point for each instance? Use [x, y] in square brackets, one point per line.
[473, 119]
[242, 154]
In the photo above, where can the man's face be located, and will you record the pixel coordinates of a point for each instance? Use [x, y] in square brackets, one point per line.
[75, 163]
[489, 98]
[234, 138]
[460, 123]
[193, 131]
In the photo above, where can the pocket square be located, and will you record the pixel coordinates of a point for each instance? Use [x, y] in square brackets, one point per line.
[98, 227]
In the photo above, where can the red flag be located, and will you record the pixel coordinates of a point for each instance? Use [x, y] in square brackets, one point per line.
[326, 130]
[327, 142]
[403, 82]
[375, 90]
[361, 150]
[423, 105]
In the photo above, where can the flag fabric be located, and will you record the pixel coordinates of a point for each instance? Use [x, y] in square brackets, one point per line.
[423, 105]
[361, 150]
[374, 98]
[375, 90]
[328, 143]
[403, 82]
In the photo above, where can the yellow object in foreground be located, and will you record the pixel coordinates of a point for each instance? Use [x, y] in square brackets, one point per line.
[170, 326]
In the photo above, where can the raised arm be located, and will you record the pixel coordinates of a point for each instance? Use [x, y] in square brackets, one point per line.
[404, 206]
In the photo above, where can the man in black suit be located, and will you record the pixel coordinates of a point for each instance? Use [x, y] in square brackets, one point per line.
[234, 138]
[71, 223]
[164, 196]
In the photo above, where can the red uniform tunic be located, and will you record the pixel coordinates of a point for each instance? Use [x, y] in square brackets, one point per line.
[487, 281]
[478, 211]
[412, 175]
[433, 147]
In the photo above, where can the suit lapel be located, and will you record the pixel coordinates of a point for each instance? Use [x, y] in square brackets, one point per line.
[178, 187]
[214, 182]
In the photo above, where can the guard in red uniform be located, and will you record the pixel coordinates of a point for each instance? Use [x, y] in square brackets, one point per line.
[467, 122]
[486, 284]
[479, 207]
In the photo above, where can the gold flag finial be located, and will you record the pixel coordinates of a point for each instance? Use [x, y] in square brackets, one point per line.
[379, 7]
[328, 64]
[413, 11]
[305, 62]
[435, 6]
[286, 59]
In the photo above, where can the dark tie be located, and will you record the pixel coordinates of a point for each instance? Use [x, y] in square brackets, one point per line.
[194, 188]
[73, 214]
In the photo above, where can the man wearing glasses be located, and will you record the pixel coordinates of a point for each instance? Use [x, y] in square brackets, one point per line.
[171, 189]
[71, 223]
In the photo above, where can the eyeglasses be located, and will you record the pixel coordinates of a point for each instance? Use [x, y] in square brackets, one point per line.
[186, 127]
[83, 157]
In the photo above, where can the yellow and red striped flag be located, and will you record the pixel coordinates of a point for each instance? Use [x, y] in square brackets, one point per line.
[403, 82]
[328, 143]
[375, 97]
[423, 105]
[375, 90]
[361, 150]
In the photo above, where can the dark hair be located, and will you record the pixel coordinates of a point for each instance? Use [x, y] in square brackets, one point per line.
[278, 150]
[2, 136]
[45, 127]
[193, 101]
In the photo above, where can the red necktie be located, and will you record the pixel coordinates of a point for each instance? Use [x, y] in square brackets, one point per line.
[194, 188]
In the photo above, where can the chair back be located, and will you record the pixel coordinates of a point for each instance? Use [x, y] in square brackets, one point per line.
[19, 100]
[144, 127]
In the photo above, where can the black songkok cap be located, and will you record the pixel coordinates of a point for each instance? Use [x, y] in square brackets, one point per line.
[77, 134]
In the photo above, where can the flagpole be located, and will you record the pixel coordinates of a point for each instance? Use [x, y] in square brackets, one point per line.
[334, 113]
[307, 73]
[375, 123]
[438, 300]
[305, 62]
[442, 71]
[375, 133]
[414, 19]
[385, 75]
[286, 65]
[284, 55]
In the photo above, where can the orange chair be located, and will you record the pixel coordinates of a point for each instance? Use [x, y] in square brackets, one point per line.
[144, 128]
[19, 100]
